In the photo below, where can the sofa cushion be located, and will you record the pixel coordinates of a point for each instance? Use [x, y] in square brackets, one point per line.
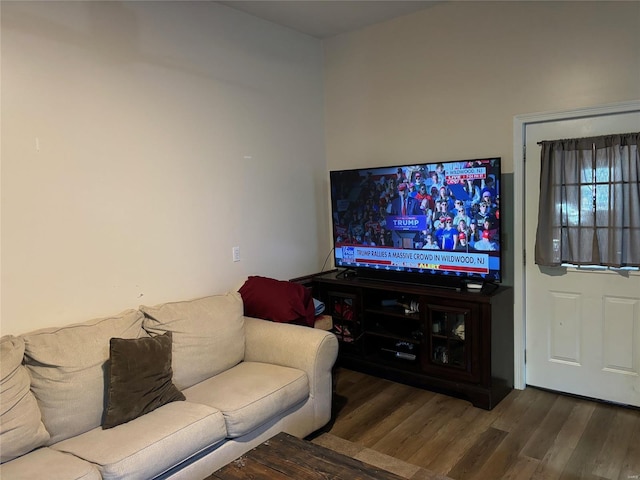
[277, 300]
[67, 367]
[140, 377]
[251, 394]
[50, 464]
[151, 444]
[208, 335]
[21, 427]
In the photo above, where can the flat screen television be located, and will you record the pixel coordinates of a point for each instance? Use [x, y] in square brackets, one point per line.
[434, 223]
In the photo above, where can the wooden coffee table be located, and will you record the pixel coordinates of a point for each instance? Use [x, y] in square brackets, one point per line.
[287, 457]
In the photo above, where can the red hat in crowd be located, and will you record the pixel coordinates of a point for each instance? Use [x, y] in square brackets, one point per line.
[402, 187]
[485, 234]
[462, 236]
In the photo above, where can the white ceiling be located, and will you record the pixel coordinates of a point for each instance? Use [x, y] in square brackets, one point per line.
[326, 18]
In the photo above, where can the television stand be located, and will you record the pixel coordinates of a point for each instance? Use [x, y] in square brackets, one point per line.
[458, 286]
[452, 341]
[346, 273]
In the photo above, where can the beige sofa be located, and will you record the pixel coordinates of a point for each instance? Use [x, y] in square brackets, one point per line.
[243, 379]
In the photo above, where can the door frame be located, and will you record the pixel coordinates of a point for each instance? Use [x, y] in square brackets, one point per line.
[520, 123]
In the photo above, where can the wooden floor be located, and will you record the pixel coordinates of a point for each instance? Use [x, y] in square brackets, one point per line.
[531, 434]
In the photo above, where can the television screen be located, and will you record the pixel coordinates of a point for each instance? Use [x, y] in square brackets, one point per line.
[421, 222]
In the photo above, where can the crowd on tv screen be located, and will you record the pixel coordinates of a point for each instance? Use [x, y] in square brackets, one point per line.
[456, 213]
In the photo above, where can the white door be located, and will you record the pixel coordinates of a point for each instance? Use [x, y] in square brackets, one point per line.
[582, 327]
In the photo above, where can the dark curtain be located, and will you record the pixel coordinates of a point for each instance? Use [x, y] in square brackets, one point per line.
[589, 208]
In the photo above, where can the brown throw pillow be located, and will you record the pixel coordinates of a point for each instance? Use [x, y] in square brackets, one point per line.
[140, 378]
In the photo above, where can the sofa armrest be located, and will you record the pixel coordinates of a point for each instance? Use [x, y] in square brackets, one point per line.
[311, 350]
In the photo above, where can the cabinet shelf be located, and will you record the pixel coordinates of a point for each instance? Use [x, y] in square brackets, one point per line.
[448, 337]
[393, 363]
[455, 341]
[393, 336]
[393, 312]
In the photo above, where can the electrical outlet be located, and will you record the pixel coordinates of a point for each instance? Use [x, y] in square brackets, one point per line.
[236, 254]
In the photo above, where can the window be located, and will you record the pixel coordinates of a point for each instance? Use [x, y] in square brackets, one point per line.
[589, 209]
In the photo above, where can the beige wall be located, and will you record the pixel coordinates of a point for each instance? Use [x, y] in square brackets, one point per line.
[140, 142]
[446, 82]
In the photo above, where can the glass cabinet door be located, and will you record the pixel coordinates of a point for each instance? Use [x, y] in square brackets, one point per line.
[448, 338]
[450, 333]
